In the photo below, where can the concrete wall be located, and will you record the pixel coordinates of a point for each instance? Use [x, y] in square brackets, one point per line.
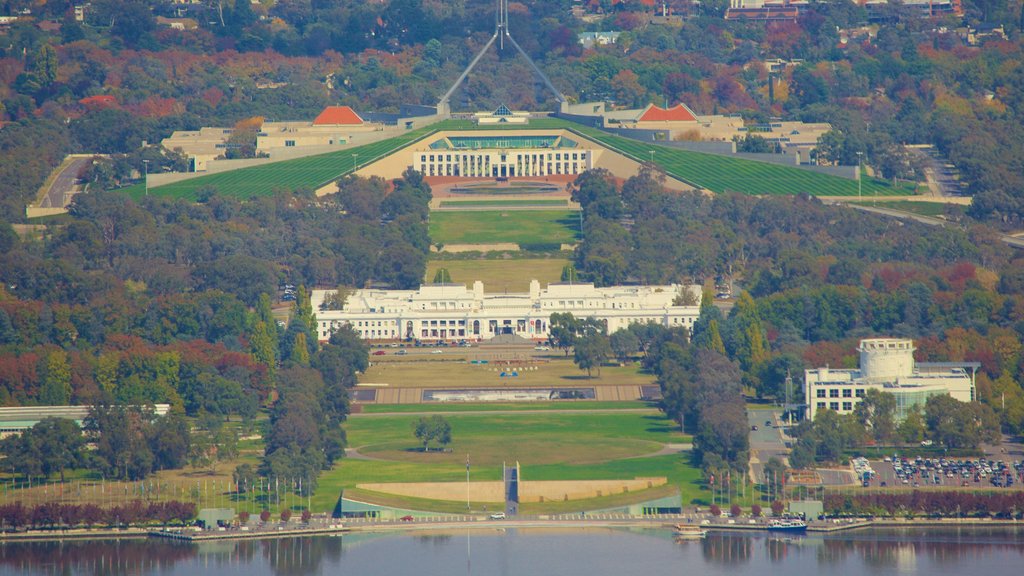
[718, 147]
[653, 136]
[586, 120]
[535, 491]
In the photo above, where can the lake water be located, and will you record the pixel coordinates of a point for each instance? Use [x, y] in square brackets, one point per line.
[530, 552]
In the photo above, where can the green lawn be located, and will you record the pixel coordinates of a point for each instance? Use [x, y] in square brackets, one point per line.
[922, 208]
[511, 275]
[491, 227]
[547, 446]
[310, 172]
[717, 173]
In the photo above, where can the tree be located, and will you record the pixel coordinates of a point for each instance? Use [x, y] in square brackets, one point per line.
[877, 413]
[624, 344]
[912, 429]
[51, 446]
[122, 450]
[563, 328]
[442, 276]
[56, 379]
[590, 352]
[569, 274]
[434, 429]
[957, 424]
[244, 477]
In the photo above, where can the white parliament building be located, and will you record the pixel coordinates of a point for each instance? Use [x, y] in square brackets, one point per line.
[887, 364]
[453, 312]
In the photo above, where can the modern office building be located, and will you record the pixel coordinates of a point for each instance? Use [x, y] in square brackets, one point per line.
[887, 364]
[453, 312]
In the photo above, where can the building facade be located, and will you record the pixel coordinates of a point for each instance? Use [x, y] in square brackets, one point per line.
[503, 156]
[453, 312]
[887, 364]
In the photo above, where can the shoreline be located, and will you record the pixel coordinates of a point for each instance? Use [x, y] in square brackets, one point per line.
[567, 523]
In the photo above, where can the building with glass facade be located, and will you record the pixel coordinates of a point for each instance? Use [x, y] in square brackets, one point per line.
[887, 364]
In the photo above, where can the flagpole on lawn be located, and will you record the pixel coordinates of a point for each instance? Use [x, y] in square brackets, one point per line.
[467, 482]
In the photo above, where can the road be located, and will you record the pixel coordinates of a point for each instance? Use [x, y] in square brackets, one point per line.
[941, 180]
[766, 441]
[64, 185]
[929, 220]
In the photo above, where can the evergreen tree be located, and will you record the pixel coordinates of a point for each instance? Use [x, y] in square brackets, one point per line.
[56, 379]
[715, 338]
[261, 345]
[442, 276]
[8, 335]
[300, 351]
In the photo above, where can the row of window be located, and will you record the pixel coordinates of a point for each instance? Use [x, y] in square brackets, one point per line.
[486, 159]
[847, 406]
[846, 392]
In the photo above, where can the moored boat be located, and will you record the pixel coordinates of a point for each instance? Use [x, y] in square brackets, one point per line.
[787, 525]
[689, 532]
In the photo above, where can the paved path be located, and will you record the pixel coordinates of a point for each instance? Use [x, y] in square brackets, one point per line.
[65, 184]
[765, 442]
[428, 412]
[929, 220]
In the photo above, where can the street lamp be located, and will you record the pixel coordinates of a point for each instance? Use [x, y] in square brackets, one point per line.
[145, 164]
[859, 154]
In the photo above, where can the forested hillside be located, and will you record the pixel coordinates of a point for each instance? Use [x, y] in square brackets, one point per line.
[120, 77]
[811, 280]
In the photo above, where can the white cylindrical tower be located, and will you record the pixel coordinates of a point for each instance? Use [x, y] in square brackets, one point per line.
[886, 359]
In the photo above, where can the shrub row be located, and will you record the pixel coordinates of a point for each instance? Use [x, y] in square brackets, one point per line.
[936, 504]
[57, 515]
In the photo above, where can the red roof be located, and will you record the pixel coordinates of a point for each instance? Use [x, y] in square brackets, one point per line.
[677, 113]
[99, 101]
[333, 115]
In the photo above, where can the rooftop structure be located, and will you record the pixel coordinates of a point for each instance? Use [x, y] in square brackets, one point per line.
[453, 312]
[334, 127]
[15, 420]
[338, 116]
[887, 364]
[682, 123]
[766, 10]
[501, 33]
[678, 113]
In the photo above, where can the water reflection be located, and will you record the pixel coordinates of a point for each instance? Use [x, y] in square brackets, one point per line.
[588, 553]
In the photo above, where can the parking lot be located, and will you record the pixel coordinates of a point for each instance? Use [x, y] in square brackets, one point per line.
[942, 472]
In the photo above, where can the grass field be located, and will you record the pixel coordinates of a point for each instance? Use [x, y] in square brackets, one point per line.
[512, 275]
[453, 375]
[717, 173]
[310, 172]
[547, 446]
[720, 173]
[547, 202]
[922, 208]
[491, 227]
